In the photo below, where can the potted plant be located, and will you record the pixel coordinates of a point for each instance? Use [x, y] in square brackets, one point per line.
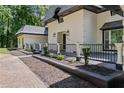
[86, 52]
[52, 55]
[60, 57]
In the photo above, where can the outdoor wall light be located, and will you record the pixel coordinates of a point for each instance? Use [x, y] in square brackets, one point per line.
[54, 34]
[67, 33]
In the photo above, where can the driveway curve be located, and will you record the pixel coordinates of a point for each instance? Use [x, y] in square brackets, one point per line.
[15, 74]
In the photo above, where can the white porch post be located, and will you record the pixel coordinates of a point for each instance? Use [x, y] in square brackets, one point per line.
[123, 48]
[25, 46]
[40, 46]
[46, 44]
[58, 48]
[119, 64]
[29, 46]
[34, 46]
[77, 51]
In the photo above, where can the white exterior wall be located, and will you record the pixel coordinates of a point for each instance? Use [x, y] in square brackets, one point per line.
[31, 39]
[73, 23]
[83, 25]
[90, 27]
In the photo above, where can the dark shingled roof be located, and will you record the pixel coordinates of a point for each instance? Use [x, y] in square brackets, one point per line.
[51, 11]
[37, 30]
[112, 25]
[67, 9]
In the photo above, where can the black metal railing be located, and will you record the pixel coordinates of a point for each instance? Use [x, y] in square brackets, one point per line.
[68, 49]
[27, 46]
[52, 48]
[101, 52]
[37, 46]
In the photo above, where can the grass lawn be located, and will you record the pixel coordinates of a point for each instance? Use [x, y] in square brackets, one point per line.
[4, 50]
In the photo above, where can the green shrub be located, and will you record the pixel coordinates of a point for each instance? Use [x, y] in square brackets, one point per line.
[60, 57]
[45, 50]
[52, 55]
[86, 52]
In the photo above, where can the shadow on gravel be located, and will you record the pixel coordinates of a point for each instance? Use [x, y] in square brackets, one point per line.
[71, 82]
[17, 53]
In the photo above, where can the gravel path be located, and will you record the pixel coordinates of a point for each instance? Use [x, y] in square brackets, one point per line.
[54, 77]
[17, 53]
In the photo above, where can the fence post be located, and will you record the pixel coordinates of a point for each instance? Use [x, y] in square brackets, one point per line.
[40, 46]
[34, 46]
[77, 52]
[58, 48]
[119, 64]
[25, 46]
[29, 46]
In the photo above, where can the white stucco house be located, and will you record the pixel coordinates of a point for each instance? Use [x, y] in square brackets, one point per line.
[31, 34]
[86, 24]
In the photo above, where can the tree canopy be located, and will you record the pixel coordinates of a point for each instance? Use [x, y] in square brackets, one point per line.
[12, 18]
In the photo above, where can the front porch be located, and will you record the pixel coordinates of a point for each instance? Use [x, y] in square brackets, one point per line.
[98, 52]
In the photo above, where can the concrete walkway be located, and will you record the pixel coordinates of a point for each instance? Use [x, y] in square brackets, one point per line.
[15, 74]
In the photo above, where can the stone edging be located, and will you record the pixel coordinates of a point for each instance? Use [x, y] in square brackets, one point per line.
[26, 52]
[101, 81]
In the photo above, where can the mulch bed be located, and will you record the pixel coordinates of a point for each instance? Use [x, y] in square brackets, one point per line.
[97, 69]
[92, 68]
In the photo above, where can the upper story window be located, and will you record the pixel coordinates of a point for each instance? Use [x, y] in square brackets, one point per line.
[112, 13]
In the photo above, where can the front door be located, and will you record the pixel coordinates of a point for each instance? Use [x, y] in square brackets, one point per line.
[64, 41]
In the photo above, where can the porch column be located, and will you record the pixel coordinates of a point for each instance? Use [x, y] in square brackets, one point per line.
[29, 46]
[78, 52]
[34, 46]
[123, 47]
[46, 44]
[40, 46]
[58, 48]
[25, 46]
[119, 64]
[123, 32]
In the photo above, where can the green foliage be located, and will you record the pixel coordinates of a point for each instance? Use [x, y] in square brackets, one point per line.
[52, 55]
[86, 52]
[4, 50]
[116, 35]
[60, 57]
[13, 17]
[45, 50]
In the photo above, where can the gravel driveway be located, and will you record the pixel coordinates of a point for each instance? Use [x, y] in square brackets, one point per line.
[52, 76]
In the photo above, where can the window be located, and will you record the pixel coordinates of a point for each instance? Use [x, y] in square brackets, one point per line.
[116, 36]
[112, 37]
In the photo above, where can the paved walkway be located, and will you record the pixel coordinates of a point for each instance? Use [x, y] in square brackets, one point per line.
[15, 74]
